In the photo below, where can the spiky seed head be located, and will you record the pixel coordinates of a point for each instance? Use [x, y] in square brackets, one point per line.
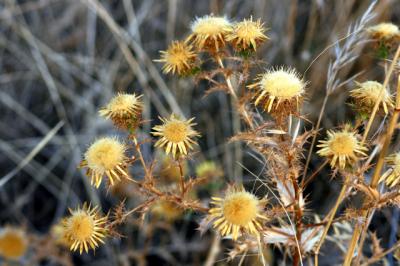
[179, 58]
[209, 33]
[85, 228]
[247, 35]
[175, 135]
[366, 95]
[239, 211]
[392, 176]
[124, 110]
[209, 170]
[106, 157]
[384, 31]
[341, 147]
[13, 243]
[277, 86]
[167, 210]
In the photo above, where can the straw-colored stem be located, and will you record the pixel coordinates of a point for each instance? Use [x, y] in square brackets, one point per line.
[331, 216]
[182, 178]
[385, 83]
[379, 164]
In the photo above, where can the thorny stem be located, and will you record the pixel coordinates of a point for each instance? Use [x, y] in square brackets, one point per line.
[298, 221]
[146, 171]
[331, 216]
[182, 177]
[228, 81]
[381, 158]
[383, 254]
[379, 165]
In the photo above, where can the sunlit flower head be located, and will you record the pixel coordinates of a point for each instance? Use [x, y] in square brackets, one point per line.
[175, 135]
[392, 175]
[106, 157]
[124, 110]
[247, 34]
[278, 86]
[341, 147]
[209, 32]
[368, 93]
[167, 210]
[384, 31]
[179, 58]
[239, 211]
[84, 229]
[13, 243]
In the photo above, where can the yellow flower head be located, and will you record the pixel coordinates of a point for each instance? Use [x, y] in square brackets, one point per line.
[209, 32]
[368, 93]
[239, 211]
[176, 135]
[124, 110]
[209, 170]
[106, 157]
[341, 147]
[384, 31]
[392, 175]
[247, 35]
[84, 228]
[278, 86]
[167, 210]
[13, 243]
[179, 58]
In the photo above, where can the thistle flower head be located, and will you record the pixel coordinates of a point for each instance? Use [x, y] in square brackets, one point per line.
[277, 86]
[209, 32]
[167, 210]
[176, 135]
[13, 243]
[124, 110]
[84, 228]
[392, 175]
[384, 31]
[239, 211]
[247, 34]
[106, 157]
[179, 58]
[209, 170]
[341, 147]
[368, 93]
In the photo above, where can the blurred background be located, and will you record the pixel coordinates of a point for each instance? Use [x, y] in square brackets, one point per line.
[61, 60]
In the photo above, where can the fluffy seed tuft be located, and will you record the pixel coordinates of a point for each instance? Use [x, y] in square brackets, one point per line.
[106, 157]
[124, 110]
[209, 33]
